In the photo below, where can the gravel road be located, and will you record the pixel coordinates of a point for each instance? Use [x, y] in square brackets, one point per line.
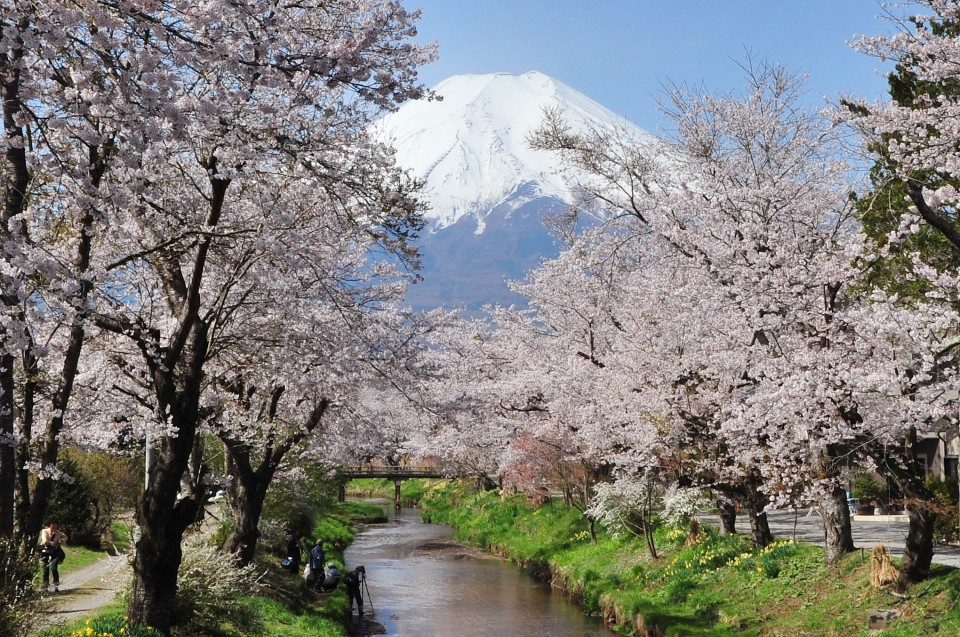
[84, 591]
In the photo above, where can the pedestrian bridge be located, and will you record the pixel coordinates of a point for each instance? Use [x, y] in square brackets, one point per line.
[389, 472]
[397, 474]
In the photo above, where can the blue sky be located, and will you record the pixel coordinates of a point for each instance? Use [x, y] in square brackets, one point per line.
[621, 52]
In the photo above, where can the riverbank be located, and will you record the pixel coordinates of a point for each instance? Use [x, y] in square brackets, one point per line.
[713, 586]
[280, 606]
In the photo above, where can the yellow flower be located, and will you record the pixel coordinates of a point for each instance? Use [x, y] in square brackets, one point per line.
[759, 569]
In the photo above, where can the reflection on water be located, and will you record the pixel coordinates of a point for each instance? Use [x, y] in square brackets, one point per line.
[433, 594]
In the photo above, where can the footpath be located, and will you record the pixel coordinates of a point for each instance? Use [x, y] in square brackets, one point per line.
[83, 592]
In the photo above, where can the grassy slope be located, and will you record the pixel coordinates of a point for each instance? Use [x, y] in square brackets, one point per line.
[718, 586]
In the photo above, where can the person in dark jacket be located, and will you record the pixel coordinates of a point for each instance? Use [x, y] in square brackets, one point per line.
[52, 540]
[317, 560]
[294, 552]
[353, 581]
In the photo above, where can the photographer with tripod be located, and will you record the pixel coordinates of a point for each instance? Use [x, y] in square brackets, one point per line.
[354, 581]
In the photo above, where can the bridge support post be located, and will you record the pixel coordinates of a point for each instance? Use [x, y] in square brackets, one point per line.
[396, 493]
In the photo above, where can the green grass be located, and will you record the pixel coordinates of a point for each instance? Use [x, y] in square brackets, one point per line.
[79, 557]
[718, 586]
[121, 536]
[360, 512]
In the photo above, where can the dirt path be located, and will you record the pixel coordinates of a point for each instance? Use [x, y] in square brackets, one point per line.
[83, 592]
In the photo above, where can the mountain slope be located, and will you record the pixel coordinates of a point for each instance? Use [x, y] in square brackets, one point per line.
[481, 178]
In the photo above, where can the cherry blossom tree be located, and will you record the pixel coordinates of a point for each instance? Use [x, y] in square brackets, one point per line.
[649, 418]
[290, 390]
[55, 162]
[464, 428]
[749, 208]
[201, 110]
[910, 217]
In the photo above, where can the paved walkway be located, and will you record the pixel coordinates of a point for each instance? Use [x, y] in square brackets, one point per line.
[868, 531]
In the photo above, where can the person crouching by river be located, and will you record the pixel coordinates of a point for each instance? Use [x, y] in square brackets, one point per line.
[52, 540]
[353, 581]
[331, 577]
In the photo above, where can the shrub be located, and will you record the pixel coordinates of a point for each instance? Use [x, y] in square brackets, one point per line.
[115, 484]
[96, 487]
[71, 505]
[867, 487]
[626, 506]
[947, 524]
[226, 524]
[681, 505]
[210, 588]
[273, 536]
[18, 599]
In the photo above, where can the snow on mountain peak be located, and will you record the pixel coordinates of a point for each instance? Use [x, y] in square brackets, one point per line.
[471, 149]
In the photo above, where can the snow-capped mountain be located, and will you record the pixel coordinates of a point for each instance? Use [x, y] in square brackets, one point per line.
[487, 189]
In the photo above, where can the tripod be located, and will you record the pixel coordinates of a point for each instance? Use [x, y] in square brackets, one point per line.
[363, 582]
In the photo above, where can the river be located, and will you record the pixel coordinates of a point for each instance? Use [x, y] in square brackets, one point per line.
[421, 585]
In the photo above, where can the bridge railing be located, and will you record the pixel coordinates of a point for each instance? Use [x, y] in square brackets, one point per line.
[399, 473]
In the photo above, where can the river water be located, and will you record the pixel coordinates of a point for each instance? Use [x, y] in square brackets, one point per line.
[419, 589]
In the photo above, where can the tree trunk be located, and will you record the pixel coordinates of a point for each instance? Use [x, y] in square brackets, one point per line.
[50, 443]
[23, 499]
[485, 482]
[248, 491]
[31, 509]
[648, 536]
[245, 494]
[8, 470]
[162, 521]
[242, 542]
[727, 511]
[16, 179]
[759, 526]
[165, 512]
[918, 545]
[838, 535]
